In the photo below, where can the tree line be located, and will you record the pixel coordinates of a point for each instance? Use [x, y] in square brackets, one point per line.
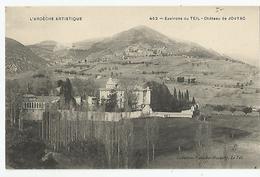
[245, 109]
[163, 100]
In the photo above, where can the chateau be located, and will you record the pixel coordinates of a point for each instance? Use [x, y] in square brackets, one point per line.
[143, 95]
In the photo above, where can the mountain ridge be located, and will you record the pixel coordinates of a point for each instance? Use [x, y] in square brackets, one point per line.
[20, 58]
[139, 41]
[145, 39]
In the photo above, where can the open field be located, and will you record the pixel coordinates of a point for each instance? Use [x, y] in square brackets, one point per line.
[210, 94]
[232, 142]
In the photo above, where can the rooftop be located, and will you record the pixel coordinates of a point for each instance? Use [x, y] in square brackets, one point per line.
[51, 99]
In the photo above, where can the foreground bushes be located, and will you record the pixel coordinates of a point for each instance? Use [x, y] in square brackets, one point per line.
[232, 109]
[22, 151]
[90, 152]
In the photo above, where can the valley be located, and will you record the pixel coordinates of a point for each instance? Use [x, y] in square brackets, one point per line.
[221, 94]
[140, 55]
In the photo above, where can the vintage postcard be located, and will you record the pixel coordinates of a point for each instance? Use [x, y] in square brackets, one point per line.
[132, 87]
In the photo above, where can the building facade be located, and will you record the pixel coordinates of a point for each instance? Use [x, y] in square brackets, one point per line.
[112, 86]
[32, 107]
[143, 95]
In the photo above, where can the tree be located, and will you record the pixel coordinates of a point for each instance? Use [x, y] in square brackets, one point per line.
[232, 110]
[13, 98]
[131, 100]
[67, 94]
[23, 150]
[111, 103]
[90, 151]
[219, 108]
[59, 83]
[84, 87]
[175, 93]
[67, 91]
[179, 95]
[187, 95]
[41, 86]
[193, 101]
[247, 110]
[161, 98]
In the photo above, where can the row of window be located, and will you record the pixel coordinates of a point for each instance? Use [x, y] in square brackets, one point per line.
[33, 105]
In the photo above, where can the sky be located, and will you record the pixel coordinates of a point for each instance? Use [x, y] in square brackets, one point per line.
[236, 38]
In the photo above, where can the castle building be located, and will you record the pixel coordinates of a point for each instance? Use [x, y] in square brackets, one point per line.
[112, 85]
[143, 95]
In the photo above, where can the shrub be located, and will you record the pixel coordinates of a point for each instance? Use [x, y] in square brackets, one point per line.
[247, 110]
[219, 108]
[22, 150]
[89, 151]
[232, 109]
[38, 75]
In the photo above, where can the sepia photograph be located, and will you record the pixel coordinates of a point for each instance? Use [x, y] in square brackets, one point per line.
[125, 87]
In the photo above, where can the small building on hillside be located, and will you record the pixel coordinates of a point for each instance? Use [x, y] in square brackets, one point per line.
[192, 80]
[180, 79]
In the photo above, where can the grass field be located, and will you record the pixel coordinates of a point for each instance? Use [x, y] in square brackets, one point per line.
[231, 142]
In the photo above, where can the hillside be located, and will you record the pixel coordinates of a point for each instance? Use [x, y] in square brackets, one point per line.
[142, 55]
[51, 51]
[142, 41]
[20, 58]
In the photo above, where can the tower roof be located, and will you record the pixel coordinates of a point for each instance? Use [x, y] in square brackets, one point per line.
[111, 83]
